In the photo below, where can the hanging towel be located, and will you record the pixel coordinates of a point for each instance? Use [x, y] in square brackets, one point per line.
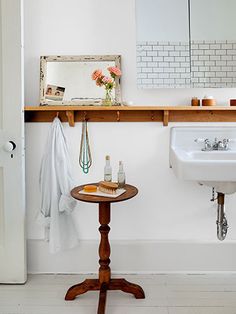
[55, 185]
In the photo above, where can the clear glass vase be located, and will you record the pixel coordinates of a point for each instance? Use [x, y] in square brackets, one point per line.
[108, 100]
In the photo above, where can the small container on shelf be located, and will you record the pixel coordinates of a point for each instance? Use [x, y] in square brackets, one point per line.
[208, 101]
[195, 101]
[232, 102]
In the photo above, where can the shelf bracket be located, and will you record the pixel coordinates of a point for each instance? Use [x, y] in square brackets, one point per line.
[71, 117]
[165, 117]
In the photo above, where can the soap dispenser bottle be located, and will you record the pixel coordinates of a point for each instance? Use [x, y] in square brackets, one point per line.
[121, 176]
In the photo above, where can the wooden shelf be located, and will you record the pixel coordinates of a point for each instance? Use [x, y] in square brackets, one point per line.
[164, 114]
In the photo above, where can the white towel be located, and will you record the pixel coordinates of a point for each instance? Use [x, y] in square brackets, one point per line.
[55, 185]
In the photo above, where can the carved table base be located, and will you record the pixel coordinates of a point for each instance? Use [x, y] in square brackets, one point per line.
[104, 283]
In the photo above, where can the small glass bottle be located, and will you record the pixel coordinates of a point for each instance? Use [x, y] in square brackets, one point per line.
[121, 176]
[107, 170]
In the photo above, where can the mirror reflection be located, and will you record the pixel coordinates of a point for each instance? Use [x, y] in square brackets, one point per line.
[68, 80]
[186, 43]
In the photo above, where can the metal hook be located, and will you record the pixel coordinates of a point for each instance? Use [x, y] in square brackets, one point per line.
[85, 116]
[57, 114]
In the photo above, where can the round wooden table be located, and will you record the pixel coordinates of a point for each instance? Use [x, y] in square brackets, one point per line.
[104, 282]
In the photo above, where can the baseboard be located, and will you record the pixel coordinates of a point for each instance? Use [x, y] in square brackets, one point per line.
[136, 257]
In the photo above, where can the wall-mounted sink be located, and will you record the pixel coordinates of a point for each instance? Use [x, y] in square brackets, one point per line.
[193, 156]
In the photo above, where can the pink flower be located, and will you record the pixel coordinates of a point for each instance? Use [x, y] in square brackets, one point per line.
[114, 71]
[106, 80]
[96, 74]
[99, 81]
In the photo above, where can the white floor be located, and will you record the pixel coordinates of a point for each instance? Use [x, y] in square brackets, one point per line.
[165, 294]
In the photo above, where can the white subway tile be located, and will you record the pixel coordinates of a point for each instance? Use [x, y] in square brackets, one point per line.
[151, 53]
[221, 74]
[215, 46]
[179, 59]
[215, 68]
[227, 68]
[169, 70]
[184, 53]
[169, 48]
[147, 48]
[210, 63]
[169, 59]
[175, 53]
[153, 75]
[215, 58]
[147, 70]
[210, 74]
[158, 81]
[227, 58]
[198, 74]
[198, 52]
[227, 46]
[204, 46]
[146, 59]
[163, 54]
[175, 75]
[141, 64]
[142, 75]
[163, 64]
[231, 52]
[141, 53]
[152, 64]
[160, 48]
[158, 59]
[158, 70]
[174, 64]
[221, 63]
[164, 75]
[169, 81]
[147, 81]
[204, 69]
[210, 52]
[204, 58]
[180, 70]
[221, 52]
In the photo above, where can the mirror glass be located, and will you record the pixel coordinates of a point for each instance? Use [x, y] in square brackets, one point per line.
[186, 43]
[213, 43]
[68, 80]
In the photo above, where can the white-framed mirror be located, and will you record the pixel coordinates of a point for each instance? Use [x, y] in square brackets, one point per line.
[67, 80]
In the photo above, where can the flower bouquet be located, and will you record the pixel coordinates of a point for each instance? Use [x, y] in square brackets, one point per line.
[107, 81]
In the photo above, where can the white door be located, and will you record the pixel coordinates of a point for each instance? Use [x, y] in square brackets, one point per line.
[12, 200]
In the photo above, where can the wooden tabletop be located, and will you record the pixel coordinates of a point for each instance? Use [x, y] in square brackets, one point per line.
[131, 191]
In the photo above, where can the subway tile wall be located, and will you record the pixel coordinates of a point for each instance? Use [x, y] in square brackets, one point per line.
[213, 63]
[167, 64]
[163, 64]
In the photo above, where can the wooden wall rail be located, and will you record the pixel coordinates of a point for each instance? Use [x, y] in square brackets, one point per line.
[164, 114]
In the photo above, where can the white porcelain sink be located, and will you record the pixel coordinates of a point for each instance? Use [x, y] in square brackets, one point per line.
[213, 168]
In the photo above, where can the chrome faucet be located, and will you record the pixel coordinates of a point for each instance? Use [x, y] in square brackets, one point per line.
[215, 145]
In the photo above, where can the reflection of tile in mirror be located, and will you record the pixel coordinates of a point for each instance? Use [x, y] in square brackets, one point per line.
[76, 78]
[163, 57]
[213, 47]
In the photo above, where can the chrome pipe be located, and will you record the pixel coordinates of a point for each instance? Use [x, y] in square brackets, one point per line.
[222, 224]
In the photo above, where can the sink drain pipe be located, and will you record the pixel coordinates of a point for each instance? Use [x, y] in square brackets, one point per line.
[222, 225]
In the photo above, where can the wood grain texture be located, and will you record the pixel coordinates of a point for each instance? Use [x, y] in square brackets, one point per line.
[164, 114]
[104, 282]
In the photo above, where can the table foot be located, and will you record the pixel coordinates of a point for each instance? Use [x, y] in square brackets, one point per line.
[126, 286]
[102, 299]
[83, 287]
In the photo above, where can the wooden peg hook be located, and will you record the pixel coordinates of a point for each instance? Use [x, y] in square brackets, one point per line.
[118, 116]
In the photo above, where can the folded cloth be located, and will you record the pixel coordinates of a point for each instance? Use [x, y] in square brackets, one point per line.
[55, 185]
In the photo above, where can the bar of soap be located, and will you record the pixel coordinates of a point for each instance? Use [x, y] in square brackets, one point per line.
[90, 188]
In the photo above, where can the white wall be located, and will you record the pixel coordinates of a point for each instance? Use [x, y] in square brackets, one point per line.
[166, 209]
